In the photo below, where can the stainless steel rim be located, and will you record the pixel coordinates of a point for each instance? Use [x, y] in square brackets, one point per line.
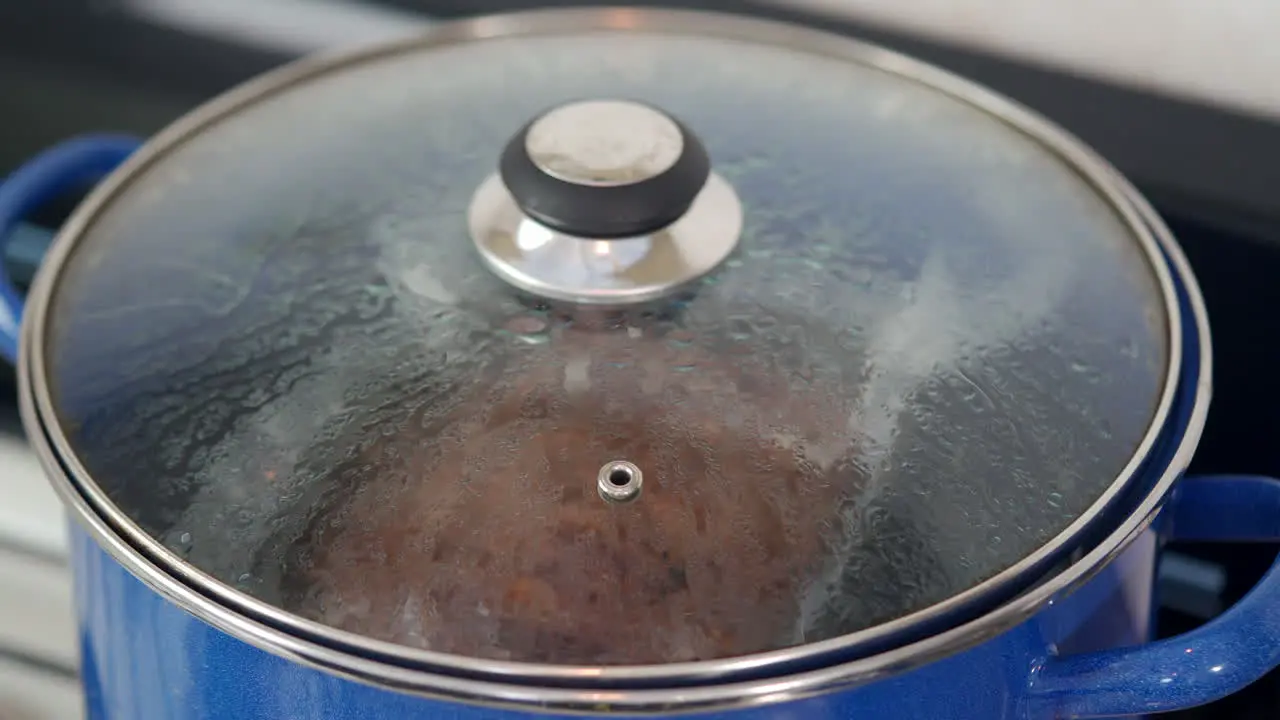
[272, 629]
[566, 267]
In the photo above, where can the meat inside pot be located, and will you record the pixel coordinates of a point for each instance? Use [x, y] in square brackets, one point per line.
[485, 535]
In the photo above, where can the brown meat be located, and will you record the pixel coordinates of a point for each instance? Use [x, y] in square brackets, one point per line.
[489, 539]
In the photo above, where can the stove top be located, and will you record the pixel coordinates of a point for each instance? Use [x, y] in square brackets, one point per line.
[1210, 165]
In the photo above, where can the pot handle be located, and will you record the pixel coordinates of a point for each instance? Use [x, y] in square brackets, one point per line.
[1206, 664]
[67, 166]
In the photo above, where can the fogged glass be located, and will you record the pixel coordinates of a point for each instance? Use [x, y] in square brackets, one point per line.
[934, 348]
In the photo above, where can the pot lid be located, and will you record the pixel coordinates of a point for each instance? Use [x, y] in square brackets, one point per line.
[612, 338]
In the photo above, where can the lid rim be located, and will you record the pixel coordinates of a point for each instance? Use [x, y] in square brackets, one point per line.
[94, 503]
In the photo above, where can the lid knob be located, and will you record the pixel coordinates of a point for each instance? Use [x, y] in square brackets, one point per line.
[604, 202]
[605, 169]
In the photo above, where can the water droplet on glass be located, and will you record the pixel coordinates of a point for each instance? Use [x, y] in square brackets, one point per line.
[1055, 500]
[528, 328]
[184, 538]
[680, 338]
[740, 328]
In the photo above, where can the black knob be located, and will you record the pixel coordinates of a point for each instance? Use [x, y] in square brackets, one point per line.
[603, 169]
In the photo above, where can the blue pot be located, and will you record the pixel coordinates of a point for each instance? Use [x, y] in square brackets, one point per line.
[171, 628]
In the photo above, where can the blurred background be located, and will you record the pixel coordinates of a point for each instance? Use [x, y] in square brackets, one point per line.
[1182, 95]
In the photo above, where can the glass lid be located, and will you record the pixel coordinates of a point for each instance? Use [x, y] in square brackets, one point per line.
[631, 343]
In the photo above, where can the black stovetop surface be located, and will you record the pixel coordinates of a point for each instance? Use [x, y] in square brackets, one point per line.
[69, 66]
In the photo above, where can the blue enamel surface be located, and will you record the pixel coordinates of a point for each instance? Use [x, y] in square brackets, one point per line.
[61, 168]
[146, 658]
[1208, 663]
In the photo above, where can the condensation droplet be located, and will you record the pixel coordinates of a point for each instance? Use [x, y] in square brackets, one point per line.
[1055, 500]
[740, 328]
[680, 338]
[525, 325]
[533, 339]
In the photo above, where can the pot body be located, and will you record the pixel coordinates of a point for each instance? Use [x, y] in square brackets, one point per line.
[1073, 646]
[145, 657]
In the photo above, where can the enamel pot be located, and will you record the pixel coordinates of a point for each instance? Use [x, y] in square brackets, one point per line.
[623, 362]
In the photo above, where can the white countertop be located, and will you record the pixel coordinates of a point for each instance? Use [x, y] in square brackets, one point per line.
[30, 515]
[37, 619]
[1219, 51]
